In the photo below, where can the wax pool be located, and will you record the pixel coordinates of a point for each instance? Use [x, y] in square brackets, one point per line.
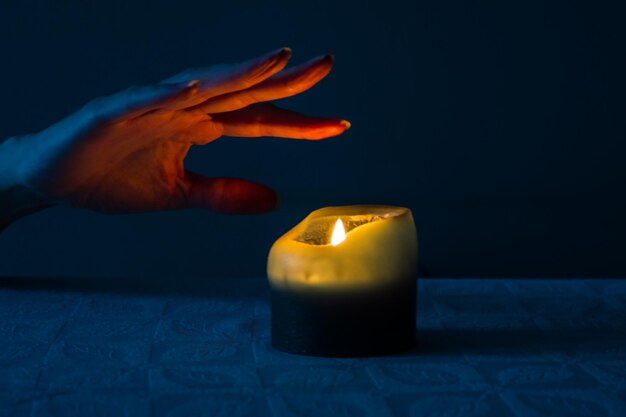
[343, 282]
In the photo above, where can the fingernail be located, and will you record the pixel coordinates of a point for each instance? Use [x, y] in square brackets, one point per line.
[330, 56]
[193, 87]
[287, 51]
[193, 84]
[346, 124]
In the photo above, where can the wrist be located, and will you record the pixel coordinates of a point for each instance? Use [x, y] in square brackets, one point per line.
[16, 199]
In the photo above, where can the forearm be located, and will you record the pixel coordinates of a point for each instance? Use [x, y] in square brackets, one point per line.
[16, 199]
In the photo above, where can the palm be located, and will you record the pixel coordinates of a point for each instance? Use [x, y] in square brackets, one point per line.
[131, 165]
[125, 153]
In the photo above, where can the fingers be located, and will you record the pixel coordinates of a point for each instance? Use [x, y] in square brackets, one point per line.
[138, 100]
[230, 195]
[223, 79]
[284, 84]
[265, 119]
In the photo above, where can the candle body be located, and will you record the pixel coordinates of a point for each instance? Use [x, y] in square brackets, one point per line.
[351, 299]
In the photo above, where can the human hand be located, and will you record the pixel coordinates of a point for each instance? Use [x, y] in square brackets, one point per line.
[125, 152]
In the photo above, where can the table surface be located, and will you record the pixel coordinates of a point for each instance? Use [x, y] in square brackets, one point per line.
[485, 348]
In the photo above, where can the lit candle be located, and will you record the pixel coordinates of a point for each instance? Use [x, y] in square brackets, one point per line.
[343, 283]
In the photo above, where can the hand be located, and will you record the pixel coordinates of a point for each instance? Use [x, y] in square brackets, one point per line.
[125, 153]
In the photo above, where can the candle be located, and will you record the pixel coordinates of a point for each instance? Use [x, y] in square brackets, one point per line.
[343, 283]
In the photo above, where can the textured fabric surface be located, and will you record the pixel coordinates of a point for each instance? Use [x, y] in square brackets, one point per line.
[486, 348]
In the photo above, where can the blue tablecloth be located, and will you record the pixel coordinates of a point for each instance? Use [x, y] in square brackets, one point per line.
[486, 348]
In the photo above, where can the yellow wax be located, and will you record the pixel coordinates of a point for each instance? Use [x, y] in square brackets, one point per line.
[380, 248]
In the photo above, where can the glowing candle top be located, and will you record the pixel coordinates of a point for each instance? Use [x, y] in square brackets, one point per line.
[346, 247]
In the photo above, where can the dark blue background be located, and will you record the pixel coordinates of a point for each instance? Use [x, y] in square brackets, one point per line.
[500, 124]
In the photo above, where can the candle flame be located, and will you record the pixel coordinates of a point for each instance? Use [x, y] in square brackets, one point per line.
[339, 233]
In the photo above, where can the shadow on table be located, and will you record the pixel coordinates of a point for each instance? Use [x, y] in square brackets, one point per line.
[606, 341]
[187, 287]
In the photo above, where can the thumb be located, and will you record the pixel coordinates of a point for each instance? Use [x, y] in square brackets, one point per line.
[230, 195]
